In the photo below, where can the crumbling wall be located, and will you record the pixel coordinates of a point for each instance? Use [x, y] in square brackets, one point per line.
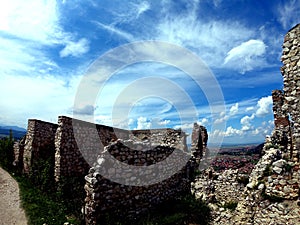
[39, 143]
[155, 178]
[272, 194]
[199, 141]
[161, 157]
[291, 79]
[78, 143]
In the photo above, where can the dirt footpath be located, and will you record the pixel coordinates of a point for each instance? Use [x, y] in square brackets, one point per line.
[10, 211]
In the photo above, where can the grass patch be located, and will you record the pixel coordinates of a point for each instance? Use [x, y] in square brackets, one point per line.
[230, 205]
[186, 210]
[41, 207]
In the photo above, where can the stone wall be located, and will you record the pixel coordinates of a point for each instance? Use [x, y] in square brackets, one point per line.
[291, 80]
[38, 144]
[160, 172]
[78, 143]
[272, 195]
[128, 170]
[199, 142]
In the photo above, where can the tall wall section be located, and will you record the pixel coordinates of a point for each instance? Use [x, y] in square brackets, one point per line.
[272, 195]
[291, 79]
[78, 143]
[38, 144]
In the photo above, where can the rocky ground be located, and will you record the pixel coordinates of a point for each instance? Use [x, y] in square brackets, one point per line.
[10, 210]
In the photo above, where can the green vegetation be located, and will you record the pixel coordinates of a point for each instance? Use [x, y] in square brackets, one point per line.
[243, 179]
[230, 205]
[41, 200]
[268, 171]
[271, 198]
[186, 210]
[6, 152]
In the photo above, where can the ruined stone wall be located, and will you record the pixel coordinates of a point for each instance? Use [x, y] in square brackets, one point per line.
[78, 143]
[38, 143]
[199, 141]
[155, 174]
[291, 79]
[162, 165]
[272, 195]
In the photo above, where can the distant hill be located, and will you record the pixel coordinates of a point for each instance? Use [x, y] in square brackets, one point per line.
[18, 132]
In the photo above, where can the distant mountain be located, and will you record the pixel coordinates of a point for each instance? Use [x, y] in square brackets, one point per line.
[18, 132]
[16, 128]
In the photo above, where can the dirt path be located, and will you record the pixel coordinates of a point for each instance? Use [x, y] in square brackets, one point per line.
[10, 211]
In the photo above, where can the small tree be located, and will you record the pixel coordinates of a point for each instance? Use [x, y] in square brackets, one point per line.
[7, 151]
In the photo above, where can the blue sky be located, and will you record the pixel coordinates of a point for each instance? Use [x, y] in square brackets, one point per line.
[47, 47]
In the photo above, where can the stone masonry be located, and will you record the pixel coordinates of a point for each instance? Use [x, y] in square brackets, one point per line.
[272, 195]
[79, 149]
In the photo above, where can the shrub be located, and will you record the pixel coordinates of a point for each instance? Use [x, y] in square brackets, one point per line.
[7, 152]
[230, 205]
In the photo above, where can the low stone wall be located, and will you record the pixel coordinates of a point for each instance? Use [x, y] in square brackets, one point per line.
[150, 176]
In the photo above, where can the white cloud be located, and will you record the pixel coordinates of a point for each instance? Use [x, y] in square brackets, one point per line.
[143, 123]
[288, 13]
[75, 49]
[164, 122]
[141, 8]
[264, 106]
[32, 20]
[246, 122]
[211, 40]
[250, 108]
[204, 122]
[246, 56]
[234, 109]
[229, 132]
[46, 97]
[116, 31]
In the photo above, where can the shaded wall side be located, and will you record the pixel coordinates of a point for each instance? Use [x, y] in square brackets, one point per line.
[199, 142]
[39, 143]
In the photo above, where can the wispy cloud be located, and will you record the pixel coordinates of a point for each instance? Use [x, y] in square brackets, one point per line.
[127, 36]
[289, 13]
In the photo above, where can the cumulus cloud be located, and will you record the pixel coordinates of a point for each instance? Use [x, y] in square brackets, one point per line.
[264, 106]
[234, 109]
[143, 123]
[75, 49]
[229, 132]
[246, 56]
[246, 122]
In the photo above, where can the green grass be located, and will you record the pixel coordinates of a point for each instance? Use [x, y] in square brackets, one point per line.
[41, 207]
[181, 211]
[230, 205]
